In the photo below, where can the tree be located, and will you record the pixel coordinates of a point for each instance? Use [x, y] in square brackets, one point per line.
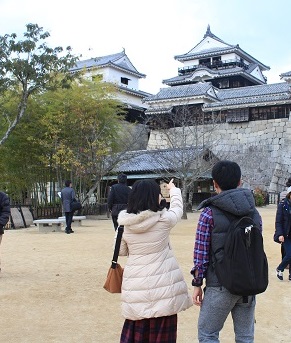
[29, 67]
[81, 129]
[189, 133]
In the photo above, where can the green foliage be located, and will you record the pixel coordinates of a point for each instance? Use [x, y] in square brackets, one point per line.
[260, 197]
[53, 127]
[28, 66]
[80, 127]
[66, 134]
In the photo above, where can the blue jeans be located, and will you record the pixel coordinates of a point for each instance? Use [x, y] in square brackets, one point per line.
[215, 308]
[287, 258]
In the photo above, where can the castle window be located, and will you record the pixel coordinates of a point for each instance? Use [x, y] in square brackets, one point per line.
[216, 61]
[124, 80]
[205, 62]
[237, 115]
[223, 83]
[269, 112]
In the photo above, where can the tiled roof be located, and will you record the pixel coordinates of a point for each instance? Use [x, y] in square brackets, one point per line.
[142, 94]
[277, 92]
[216, 74]
[115, 60]
[156, 160]
[251, 95]
[159, 110]
[195, 53]
[221, 51]
[288, 74]
[274, 88]
[205, 52]
[183, 91]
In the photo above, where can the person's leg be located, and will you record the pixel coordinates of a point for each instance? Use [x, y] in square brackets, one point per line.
[115, 223]
[0, 244]
[282, 251]
[216, 306]
[243, 315]
[69, 219]
[287, 258]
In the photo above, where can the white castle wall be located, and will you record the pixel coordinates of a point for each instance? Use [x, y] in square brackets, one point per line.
[261, 148]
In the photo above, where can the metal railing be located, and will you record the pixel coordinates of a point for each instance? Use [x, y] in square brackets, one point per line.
[213, 65]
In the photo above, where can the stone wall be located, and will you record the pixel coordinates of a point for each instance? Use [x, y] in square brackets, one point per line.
[261, 148]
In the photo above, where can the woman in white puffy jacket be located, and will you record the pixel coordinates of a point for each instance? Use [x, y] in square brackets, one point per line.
[153, 286]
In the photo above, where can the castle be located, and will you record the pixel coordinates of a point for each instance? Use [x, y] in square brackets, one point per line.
[238, 114]
[219, 102]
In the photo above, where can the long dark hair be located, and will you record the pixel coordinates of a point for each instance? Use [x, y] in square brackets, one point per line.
[144, 196]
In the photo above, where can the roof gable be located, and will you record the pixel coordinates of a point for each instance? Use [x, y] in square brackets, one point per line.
[257, 73]
[211, 45]
[251, 96]
[210, 42]
[200, 89]
[118, 60]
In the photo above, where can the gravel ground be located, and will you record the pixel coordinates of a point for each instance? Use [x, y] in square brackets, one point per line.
[51, 286]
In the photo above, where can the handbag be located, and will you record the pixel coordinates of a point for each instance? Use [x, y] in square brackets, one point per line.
[75, 205]
[114, 276]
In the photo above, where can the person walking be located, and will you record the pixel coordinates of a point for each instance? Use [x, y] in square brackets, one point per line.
[282, 197]
[118, 198]
[153, 286]
[282, 233]
[67, 195]
[217, 302]
[283, 194]
[4, 214]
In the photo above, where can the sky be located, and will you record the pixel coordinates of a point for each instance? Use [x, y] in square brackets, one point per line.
[152, 32]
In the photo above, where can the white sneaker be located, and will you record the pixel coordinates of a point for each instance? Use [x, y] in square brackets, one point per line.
[279, 274]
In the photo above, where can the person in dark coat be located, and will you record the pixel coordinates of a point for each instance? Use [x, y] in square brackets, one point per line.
[67, 195]
[284, 193]
[214, 300]
[4, 214]
[282, 233]
[118, 198]
[281, 198]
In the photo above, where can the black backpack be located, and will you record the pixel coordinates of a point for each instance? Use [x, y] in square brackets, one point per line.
[241, 266]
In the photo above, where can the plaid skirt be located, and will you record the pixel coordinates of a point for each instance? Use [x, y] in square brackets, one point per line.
[152, 330]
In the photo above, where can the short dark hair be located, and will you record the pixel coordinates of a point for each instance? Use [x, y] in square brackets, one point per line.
[67, 183]
[122, 178]
[227, 174]
[288, 183]
[144, 196]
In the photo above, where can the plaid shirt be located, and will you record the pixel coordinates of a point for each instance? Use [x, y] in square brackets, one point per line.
[202, 243]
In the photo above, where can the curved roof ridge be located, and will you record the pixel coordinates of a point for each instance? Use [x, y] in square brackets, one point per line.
[207, 34]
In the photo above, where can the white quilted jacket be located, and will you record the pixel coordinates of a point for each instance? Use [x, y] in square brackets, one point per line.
[153, 284]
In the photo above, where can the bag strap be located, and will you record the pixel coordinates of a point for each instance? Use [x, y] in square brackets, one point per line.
[120, 230]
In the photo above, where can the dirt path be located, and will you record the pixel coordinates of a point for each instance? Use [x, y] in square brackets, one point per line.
[51, 287]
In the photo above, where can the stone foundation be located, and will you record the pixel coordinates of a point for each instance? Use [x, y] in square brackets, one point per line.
[261, 148]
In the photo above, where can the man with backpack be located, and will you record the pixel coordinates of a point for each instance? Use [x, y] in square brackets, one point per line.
[219, 224]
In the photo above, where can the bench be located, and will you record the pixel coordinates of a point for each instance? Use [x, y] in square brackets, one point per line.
[77, 220]
[49, 225]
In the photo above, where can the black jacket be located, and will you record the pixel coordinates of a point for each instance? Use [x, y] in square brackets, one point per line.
[237, 202]
[118, 198]
[4, 211]
[283, 220]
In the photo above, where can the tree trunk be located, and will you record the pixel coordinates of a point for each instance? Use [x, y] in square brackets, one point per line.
[184, 198]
